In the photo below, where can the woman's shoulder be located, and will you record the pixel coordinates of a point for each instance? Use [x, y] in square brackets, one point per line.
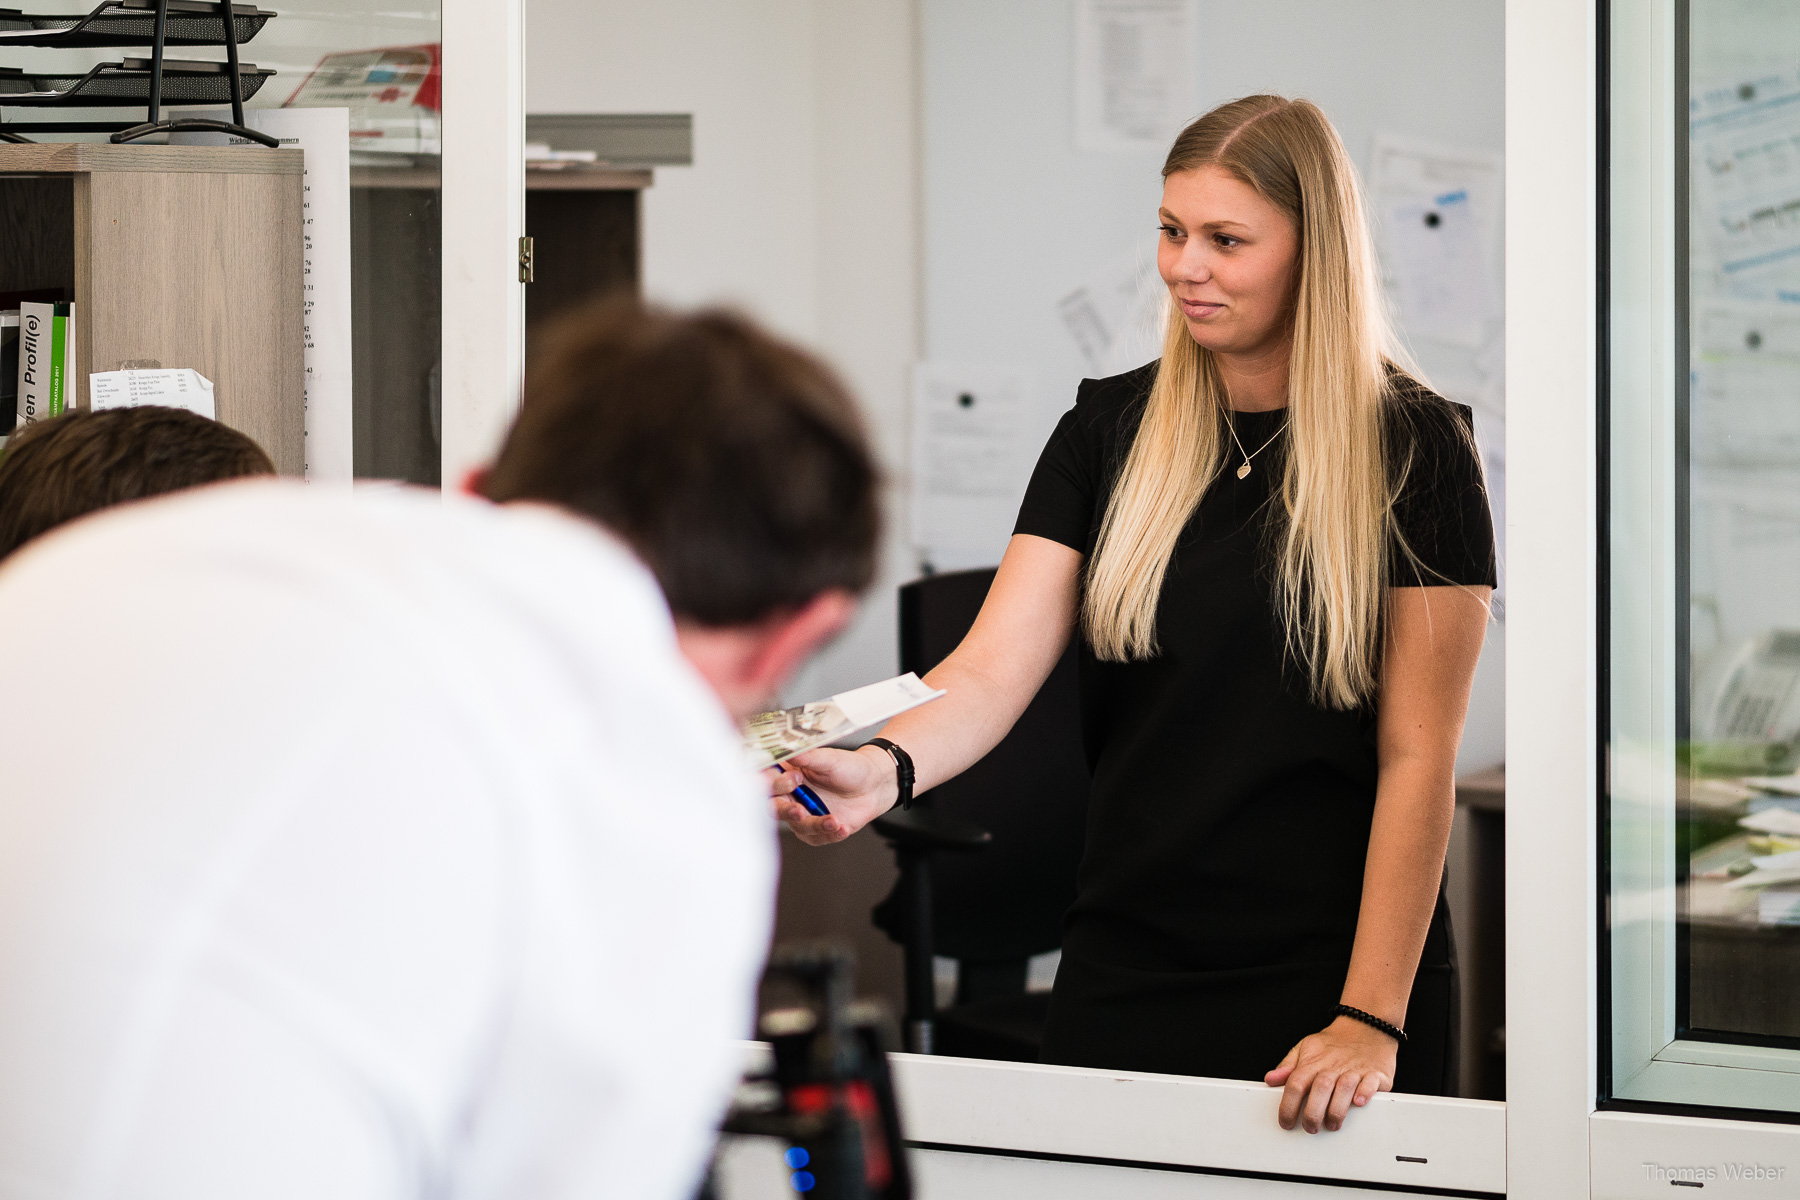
[1421, 419]
[1446, 532]
[1109, 409]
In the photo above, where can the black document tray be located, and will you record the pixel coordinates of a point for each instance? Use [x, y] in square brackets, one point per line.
[127, 84]
[131, 23]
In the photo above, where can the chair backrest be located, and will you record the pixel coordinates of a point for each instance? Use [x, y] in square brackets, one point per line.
[1008, 900]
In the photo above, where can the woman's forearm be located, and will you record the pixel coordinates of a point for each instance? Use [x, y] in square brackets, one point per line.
[951, 734]
[1414, 803]
[1433, 642]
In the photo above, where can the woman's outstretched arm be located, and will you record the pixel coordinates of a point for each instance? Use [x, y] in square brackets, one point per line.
[1434, 638]
[1022, 629]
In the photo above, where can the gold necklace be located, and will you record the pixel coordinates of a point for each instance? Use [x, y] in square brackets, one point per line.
[1232, 429]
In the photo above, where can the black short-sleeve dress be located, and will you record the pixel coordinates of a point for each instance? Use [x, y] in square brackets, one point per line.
[1229, 818]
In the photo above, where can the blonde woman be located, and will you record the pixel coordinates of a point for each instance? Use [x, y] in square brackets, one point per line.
[1275, 547]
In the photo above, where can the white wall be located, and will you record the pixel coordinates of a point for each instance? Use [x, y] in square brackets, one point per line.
[1016, 218]
[800, 206]
[800, 209]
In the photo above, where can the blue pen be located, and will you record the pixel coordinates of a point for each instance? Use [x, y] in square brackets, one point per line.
[809, 799]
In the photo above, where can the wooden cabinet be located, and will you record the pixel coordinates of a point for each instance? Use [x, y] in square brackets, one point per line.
[174, 256]
[585, 223]
[585, 226]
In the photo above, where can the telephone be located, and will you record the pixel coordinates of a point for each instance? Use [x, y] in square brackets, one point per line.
[1746, 706]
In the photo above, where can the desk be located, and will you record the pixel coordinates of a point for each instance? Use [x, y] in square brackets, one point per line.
[1741, 976]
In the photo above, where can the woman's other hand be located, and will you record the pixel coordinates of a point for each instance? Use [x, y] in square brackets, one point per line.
[856, 785]
[1342, 1065]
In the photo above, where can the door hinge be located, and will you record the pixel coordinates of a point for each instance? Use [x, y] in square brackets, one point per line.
[527, 266]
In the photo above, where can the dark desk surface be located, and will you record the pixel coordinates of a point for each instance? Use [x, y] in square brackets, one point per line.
[1484, 791]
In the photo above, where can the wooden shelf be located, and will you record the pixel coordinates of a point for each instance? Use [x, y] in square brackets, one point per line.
[96, 158]
[175, 256]
[587, 179]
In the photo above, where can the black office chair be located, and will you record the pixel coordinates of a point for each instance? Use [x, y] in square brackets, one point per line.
[987, 859]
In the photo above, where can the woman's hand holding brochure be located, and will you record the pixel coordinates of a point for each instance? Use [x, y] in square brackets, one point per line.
[793, 744]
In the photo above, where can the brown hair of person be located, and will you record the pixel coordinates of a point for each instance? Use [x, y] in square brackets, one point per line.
[58, 469]
[734, 464]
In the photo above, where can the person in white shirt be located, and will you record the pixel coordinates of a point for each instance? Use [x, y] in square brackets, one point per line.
[335, 854]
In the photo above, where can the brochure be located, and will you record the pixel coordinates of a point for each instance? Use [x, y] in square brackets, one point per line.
[773, 736]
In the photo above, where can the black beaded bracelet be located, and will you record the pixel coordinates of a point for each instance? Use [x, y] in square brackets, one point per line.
[1371, 1020]
[903, 771]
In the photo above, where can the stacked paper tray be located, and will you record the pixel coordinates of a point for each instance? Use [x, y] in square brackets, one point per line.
[127, 83]
[131, 23]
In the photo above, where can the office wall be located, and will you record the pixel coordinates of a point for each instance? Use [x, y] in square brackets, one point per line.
[800, 206]
[890, 179]
[1016, 218]
[800, 209]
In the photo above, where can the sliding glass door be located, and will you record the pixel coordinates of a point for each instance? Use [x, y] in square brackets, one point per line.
[1700, 841]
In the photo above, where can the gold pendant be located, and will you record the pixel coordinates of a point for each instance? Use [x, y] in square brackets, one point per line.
[1244, 470]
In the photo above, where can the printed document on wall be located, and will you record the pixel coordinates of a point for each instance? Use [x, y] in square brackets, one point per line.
[1118, 315]
[973, 446]
[1134, 73]
[1745, 172]
[1746, 375]
[1438, 218]
[1751, 537]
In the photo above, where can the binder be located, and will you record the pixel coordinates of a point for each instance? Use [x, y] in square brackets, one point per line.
[46, 360]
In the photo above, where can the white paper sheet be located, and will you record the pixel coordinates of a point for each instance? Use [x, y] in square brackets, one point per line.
[323, 135]
[1118, 315]
[1747, 552]
[175, 387]
[1746, 373]
[973, 444]
[1437, 214]
[1134, 73]
[1773, 820]
[1745, 141]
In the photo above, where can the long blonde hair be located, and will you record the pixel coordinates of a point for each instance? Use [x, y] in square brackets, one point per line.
[1331, 561]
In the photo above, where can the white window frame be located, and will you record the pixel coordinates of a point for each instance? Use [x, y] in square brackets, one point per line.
[1551, 642]
[1649, 1062]
[1559, 1141]
[1182, 1124]
[483, 206]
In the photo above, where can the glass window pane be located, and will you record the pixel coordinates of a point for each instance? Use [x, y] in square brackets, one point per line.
[1703, 836]
[380, 62]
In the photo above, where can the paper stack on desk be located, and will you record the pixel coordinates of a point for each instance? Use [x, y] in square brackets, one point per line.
[181, 387]
[1778, 906]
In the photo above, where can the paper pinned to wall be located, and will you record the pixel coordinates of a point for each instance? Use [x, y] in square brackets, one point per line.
[1438, 211]
[1134, 73]
[1746, 373]
[1118, 315]
[974, 439]
[1750, 581]
[1745, 141]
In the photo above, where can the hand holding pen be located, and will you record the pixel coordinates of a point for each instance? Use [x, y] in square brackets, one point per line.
[859, 785]
[809, 799]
